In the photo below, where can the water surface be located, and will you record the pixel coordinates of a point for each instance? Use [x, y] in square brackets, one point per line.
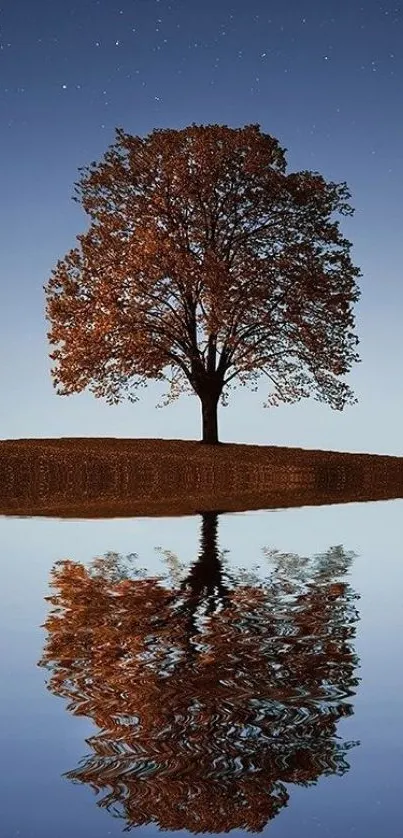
[242, 676]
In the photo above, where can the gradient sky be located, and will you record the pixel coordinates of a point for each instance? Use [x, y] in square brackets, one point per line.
[325, 78]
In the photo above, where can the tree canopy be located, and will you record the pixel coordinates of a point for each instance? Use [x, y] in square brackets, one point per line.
[205, 264]
[212, 689]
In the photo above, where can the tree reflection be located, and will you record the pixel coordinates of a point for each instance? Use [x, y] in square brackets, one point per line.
[212, 690]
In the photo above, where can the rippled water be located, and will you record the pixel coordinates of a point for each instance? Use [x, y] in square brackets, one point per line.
[232, 673]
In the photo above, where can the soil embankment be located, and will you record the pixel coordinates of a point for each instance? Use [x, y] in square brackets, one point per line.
[91, 477]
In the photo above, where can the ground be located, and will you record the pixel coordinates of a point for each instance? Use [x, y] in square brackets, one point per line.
[111, 477]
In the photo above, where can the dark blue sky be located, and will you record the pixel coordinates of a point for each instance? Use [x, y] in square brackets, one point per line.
[325, 78]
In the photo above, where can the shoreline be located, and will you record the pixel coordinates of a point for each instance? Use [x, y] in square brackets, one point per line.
[92, 477]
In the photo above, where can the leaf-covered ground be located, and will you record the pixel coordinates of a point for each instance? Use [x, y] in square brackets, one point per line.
[93, 477]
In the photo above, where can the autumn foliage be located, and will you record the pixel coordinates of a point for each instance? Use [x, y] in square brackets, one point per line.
[212, 691]
[204, 264]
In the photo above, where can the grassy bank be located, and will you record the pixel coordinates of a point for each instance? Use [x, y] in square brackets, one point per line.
[103, 477]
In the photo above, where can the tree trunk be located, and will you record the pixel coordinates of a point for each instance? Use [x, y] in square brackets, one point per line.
[205, 582]
[209, 403]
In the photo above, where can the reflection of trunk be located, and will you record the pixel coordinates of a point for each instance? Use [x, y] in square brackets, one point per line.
[205, 584]
[209, 403]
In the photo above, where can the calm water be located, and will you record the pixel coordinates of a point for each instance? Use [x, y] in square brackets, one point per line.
[206, 674]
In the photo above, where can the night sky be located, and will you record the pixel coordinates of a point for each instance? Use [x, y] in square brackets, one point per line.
[325, 78]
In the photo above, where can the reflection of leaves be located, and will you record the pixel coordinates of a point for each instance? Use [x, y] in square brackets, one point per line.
[248, 576]
[115, 568]
[205, 714]
[334, 561]
[176, 568]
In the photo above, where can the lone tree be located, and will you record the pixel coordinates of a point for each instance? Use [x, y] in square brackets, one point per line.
[205, 262]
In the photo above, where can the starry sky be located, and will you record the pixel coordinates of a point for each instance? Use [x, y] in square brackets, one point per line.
[325, 78]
